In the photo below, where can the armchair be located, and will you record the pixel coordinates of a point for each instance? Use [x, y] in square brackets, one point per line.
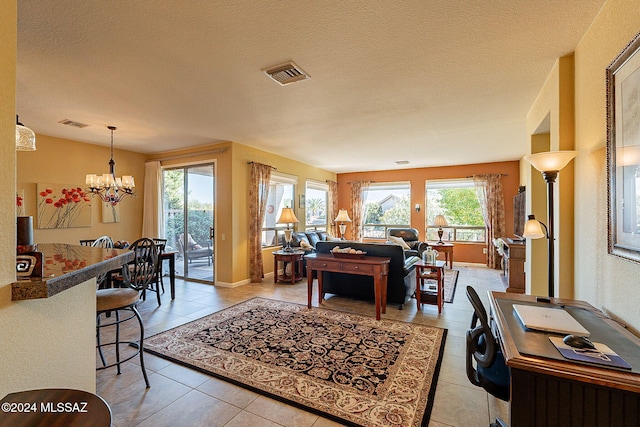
[410, 238]
[193, 250]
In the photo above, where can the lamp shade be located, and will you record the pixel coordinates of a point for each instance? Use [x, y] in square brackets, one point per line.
[440, 221]
[25, 137]
[551, 160]
[533, 229]
[343, 216]
[287, 216]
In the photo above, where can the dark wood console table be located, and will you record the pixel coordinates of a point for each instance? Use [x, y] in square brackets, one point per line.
[376, 267]
[547, 389]
[513, 258]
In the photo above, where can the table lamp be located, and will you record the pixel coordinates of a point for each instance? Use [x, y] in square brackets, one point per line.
[440, 221]
[342, 217]
[287, 217]
[549, 163]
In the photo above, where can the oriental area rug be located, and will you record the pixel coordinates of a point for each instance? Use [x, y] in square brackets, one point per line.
[450, 282]
[343, 366]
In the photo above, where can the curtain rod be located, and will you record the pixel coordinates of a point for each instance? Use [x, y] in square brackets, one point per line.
[272, 167]
[182, 156]
[501, 174]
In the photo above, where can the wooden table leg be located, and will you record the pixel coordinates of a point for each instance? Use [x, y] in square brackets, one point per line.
[440, 288]
[377, 287]
[172, 275]
[309, 286]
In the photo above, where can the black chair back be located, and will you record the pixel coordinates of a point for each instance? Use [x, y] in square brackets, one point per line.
[141, 271]
[490, 371]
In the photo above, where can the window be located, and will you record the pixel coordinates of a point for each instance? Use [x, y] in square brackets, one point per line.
[386, 206]
[458, 202]
[281, 195]
[316, 200]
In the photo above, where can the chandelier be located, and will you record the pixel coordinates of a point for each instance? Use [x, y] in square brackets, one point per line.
[110, 189]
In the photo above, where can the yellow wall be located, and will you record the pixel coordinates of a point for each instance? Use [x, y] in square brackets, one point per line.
[61, 161]
[42, 345]
[554, 103]
[465, 252]
[606, 281]
[232, 201]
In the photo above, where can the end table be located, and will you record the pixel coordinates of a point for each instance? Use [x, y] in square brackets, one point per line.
[425, 271]
[293, 257]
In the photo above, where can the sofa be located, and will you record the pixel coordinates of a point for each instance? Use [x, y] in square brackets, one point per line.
[414, 247]
[400, 282]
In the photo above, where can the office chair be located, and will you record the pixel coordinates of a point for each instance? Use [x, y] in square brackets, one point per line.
[490, 371]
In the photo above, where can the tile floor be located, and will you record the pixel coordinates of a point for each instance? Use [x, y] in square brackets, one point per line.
[181, 396]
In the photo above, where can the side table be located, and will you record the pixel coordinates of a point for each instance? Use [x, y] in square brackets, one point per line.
[293, 257]
[426, 271]
[446, 248]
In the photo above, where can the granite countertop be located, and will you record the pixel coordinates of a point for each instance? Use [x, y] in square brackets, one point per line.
[66, 266]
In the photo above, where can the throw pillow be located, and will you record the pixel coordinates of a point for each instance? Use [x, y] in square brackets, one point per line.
[399, 241]
[305, 245]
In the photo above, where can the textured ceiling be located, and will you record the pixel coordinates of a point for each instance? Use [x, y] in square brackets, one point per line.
[432, 82]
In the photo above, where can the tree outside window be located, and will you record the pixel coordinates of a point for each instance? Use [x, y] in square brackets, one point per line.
[458, 202]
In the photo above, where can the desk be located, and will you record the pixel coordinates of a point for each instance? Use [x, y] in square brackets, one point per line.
[558, 392]
[446, 248]
[430, 271]
[293, 257]
[376, 267]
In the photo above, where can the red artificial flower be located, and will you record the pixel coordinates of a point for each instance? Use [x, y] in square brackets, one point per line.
[48, 201]
[49, 191]
[18, 200]
[44, 193]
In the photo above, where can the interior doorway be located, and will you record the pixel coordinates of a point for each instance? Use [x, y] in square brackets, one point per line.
[189, 219]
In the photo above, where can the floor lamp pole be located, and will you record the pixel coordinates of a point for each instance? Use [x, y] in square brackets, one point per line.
[550, 178]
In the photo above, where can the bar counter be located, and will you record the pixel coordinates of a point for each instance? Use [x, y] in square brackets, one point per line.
[66, 266]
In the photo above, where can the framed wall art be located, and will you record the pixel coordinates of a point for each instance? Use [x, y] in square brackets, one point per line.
[623, 152]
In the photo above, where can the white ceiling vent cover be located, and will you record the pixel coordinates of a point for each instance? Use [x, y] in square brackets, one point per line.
[68, 122]
[286, 74]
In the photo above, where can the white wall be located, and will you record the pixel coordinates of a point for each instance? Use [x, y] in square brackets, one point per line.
[607, 282]
[44, 343]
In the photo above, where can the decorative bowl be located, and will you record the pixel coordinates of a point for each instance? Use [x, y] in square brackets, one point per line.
[348, 255]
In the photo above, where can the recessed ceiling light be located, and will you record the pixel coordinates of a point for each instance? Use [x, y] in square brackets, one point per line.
[402, 162]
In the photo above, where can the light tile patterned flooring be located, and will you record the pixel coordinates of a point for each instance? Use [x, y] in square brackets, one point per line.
[181, 396]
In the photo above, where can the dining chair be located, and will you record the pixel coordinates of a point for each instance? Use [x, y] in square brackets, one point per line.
[162, 245]
[104, 242]
[136, 277]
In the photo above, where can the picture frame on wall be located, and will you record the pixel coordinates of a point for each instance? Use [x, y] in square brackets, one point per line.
[623, 152]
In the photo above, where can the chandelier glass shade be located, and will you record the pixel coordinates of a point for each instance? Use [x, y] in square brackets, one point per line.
[25, 137]
[107, 186]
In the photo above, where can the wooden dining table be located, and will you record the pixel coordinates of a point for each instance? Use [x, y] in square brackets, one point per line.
[165, 255]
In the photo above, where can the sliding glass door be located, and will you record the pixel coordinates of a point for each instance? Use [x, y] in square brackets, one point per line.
[189, 208]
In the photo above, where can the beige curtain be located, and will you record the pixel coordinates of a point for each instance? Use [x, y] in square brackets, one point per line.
[152, 223]
[332, 208]
[258, 194]
[358, 189]
[489, 190]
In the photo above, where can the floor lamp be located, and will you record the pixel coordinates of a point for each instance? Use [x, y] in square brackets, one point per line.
[550, 163]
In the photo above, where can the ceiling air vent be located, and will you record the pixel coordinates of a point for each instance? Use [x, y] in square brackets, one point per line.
[286, 74]
[68, 122]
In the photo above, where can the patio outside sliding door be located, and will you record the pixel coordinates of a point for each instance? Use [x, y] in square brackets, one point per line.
[189, 208]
